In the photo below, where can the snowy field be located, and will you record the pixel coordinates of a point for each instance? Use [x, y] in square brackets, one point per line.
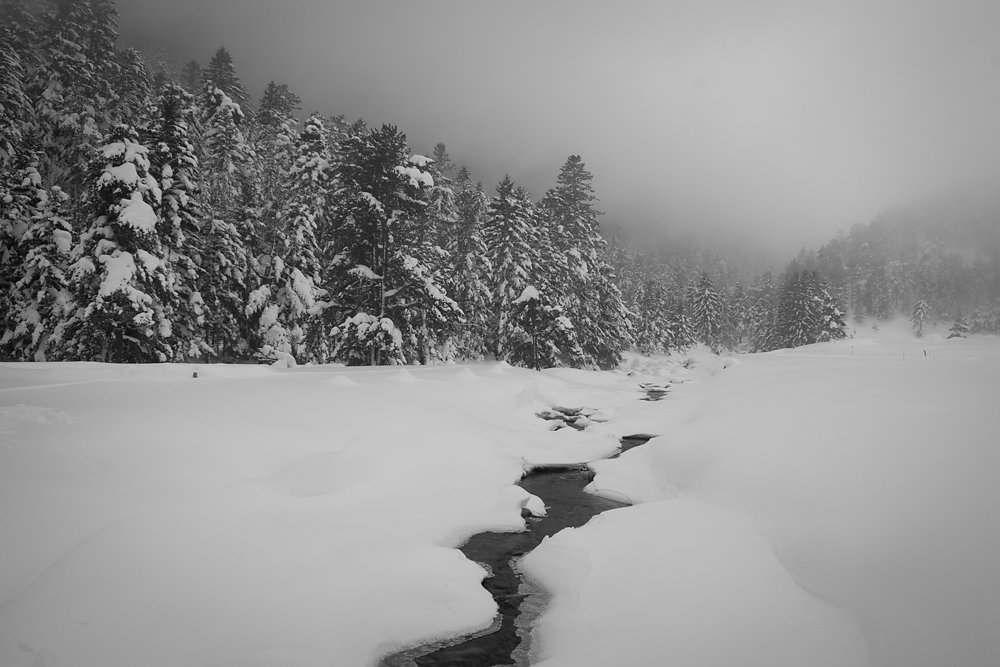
[832, 505]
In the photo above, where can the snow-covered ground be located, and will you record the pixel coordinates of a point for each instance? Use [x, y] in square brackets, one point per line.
[833, 505]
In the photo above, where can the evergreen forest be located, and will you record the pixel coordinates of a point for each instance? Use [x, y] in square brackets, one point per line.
[154, 215]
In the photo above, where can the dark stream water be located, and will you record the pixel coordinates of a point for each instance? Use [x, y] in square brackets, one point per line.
[567, 506]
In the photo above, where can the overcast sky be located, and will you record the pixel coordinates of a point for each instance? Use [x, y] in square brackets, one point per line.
[782, 121]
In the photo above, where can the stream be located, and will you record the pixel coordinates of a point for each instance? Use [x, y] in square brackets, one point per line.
[567, 506]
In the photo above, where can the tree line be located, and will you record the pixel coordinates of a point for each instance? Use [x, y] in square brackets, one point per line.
[936, 260]
[147, 216]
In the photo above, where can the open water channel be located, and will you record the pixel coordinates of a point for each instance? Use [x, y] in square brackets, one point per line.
[567, 506]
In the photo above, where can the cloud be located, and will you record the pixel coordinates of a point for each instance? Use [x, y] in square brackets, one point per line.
[778, 121]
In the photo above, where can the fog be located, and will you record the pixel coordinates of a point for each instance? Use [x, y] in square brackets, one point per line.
[771, 124]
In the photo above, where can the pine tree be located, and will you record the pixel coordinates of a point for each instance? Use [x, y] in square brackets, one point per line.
[227, 156]
[829, 317]
[736, 327]
[514, 248]
[651, 327]
[70, 90]
[762, 315]
[15, 107]
[18, 162]
[678, 330]
[221, 74]
[541, 336]
[807, 313]
[233, 238]
[391, 292]
[182, 216]
[39, 297]
[122, 281]
[960, 329]
[469, 278]
[796, 321]
[706, 312]
[274, 139]
[920, 313]
[287, 301]
[602, 323]
[132, 86]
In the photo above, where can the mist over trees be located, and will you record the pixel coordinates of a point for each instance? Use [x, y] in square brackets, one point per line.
[148, 215]
[933, 261]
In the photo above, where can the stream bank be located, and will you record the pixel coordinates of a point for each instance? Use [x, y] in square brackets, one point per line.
[567, 506]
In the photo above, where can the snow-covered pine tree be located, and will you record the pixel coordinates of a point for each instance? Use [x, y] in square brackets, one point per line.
[15, 156]
[514, 251]
[132, 86]
[592, 299]
[38, 295]
[276, 131]
[830, 324]
[541, 336]
[182, 217]
[384, 274]
[921, 311]
[984, 319]
[442, 209]
[232, 236]
[225, 281]
[807, 312]
[122, 282]
[651, 324]
[15, 106]
[444, 241]
[735, 328]
[961, 327]
[469, 278]
[762, 314]
[678, 331]
[705, 310]
[285, 305]
[221, 74]
[69, 88]
[796, 322]
[227, 156]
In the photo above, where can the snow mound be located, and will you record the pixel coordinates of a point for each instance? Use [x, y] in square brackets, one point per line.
[404, 377]
[341, 381]
[464, 374]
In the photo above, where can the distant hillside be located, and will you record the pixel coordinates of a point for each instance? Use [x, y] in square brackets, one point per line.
[944, 252]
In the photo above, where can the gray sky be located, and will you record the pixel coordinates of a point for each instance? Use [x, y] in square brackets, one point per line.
[778, 121]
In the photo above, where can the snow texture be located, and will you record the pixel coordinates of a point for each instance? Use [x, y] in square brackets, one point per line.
[831, 505]
[417, 177]
[136, 213]
[528, 294]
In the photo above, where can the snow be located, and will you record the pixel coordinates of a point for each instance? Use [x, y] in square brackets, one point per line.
[63, 240]
[119, 276]
[416, 176]
[123, 173]
[831, 505]
[307, 513]
[529, 294]
[136, 213]
[363, 272]
[373, 202]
